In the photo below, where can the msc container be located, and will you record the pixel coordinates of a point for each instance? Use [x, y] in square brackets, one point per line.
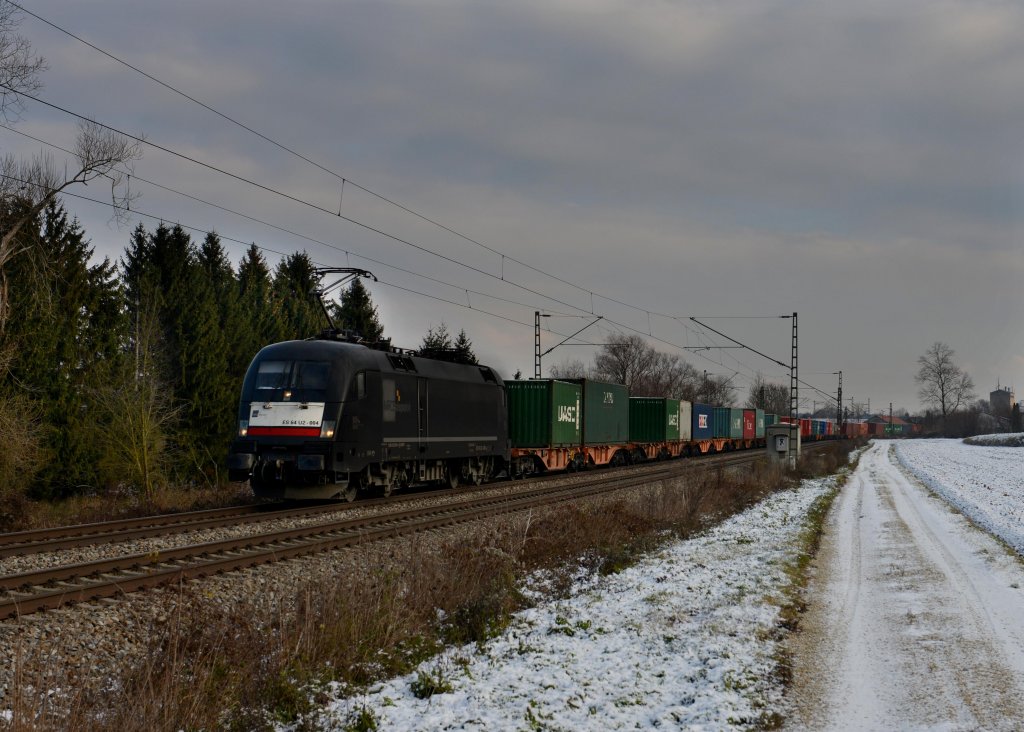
[685, 416]
[543, 413]
[762, 420]
[702, 422]
[749, 424]
[605, 412]
[653, 419]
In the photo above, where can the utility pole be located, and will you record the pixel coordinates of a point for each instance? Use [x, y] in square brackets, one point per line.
[794, 381]
[839, 404]
[536, 342]
[890, 416]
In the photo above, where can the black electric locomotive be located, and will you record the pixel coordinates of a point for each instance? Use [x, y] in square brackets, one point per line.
[326, 418]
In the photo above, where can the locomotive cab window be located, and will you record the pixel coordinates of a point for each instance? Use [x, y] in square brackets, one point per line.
[295, 381]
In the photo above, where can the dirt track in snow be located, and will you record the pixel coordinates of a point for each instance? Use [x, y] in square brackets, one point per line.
[917, 617]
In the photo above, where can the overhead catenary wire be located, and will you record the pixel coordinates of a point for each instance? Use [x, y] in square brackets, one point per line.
[287, 196]
[292, 232]
[373, 229]
[339, 176]
[383, 233]
[201, 230]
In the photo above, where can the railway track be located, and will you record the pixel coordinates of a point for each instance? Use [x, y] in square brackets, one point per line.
[32, 591]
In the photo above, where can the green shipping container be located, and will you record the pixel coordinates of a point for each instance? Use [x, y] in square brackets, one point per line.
[736, 423]
[605, 412]
[653, 419]
[728, 422]
[762, 420]
[770, 419]
[720, 422]
[543, 413]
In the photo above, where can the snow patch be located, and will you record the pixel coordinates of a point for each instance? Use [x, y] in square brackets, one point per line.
[687, 638]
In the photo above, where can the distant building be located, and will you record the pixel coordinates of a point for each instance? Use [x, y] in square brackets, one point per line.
[1001, 401]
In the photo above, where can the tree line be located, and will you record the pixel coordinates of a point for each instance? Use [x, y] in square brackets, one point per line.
[631, 360]
[127, 373]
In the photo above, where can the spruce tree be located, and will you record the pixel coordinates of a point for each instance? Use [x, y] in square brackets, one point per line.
[464, 348]
[294, 281]
[436, 340]
[71, 328]
[257, 302]
[167, 279]
[358, 313]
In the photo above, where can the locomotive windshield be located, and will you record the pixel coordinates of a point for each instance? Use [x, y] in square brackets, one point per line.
[295, 381]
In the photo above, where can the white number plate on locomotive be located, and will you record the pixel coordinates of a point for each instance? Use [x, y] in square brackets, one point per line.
[286, 414]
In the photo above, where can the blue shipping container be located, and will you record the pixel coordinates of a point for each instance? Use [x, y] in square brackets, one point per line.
[702, 421]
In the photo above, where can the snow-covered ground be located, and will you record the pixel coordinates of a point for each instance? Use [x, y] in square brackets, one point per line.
[916, 619]
[985, 483]
[686, 639]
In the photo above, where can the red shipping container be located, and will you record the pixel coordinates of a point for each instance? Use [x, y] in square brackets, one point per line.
[805, 428]
[749, 424]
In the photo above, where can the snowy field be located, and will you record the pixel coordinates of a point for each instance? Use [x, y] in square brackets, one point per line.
[687, 639]
[985, 483]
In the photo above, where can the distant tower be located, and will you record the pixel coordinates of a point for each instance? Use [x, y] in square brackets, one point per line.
[1002, 400]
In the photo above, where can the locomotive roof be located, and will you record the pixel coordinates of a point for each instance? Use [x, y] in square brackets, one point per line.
[358, 357]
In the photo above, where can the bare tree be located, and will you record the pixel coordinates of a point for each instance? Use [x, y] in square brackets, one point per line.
[625, 359]
[27, 186]
[19, 68]
[568, 369]
[944, 385]
[772, 398]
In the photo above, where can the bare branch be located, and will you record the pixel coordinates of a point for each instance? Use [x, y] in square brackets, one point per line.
[19, 68]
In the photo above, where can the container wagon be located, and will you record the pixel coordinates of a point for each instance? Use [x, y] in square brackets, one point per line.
[605, 422]
[655, 428]
[544, 423]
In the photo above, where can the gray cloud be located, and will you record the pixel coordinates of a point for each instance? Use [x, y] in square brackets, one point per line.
[858, 162]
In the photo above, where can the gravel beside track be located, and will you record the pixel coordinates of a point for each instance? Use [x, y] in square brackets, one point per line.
[84, 644]
[81, 645]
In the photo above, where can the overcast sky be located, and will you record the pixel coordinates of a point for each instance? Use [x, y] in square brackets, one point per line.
[860, 163]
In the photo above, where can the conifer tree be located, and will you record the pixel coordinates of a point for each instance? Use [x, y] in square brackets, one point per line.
[294, 281]
[464, 348]
[168, 280]
[259, 309]
[220, 275]
[437, 339]
[357, 312]
[69, 322]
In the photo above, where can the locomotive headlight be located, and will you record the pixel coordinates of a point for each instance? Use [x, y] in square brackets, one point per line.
[243, 427]
[327, 428]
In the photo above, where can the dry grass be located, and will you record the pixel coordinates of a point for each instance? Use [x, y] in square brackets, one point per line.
[246, 669]
[20, 513]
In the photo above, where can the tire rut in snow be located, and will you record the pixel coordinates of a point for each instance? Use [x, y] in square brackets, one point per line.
[898, 633]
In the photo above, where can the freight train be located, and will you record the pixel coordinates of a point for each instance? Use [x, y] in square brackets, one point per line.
[327, 419]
